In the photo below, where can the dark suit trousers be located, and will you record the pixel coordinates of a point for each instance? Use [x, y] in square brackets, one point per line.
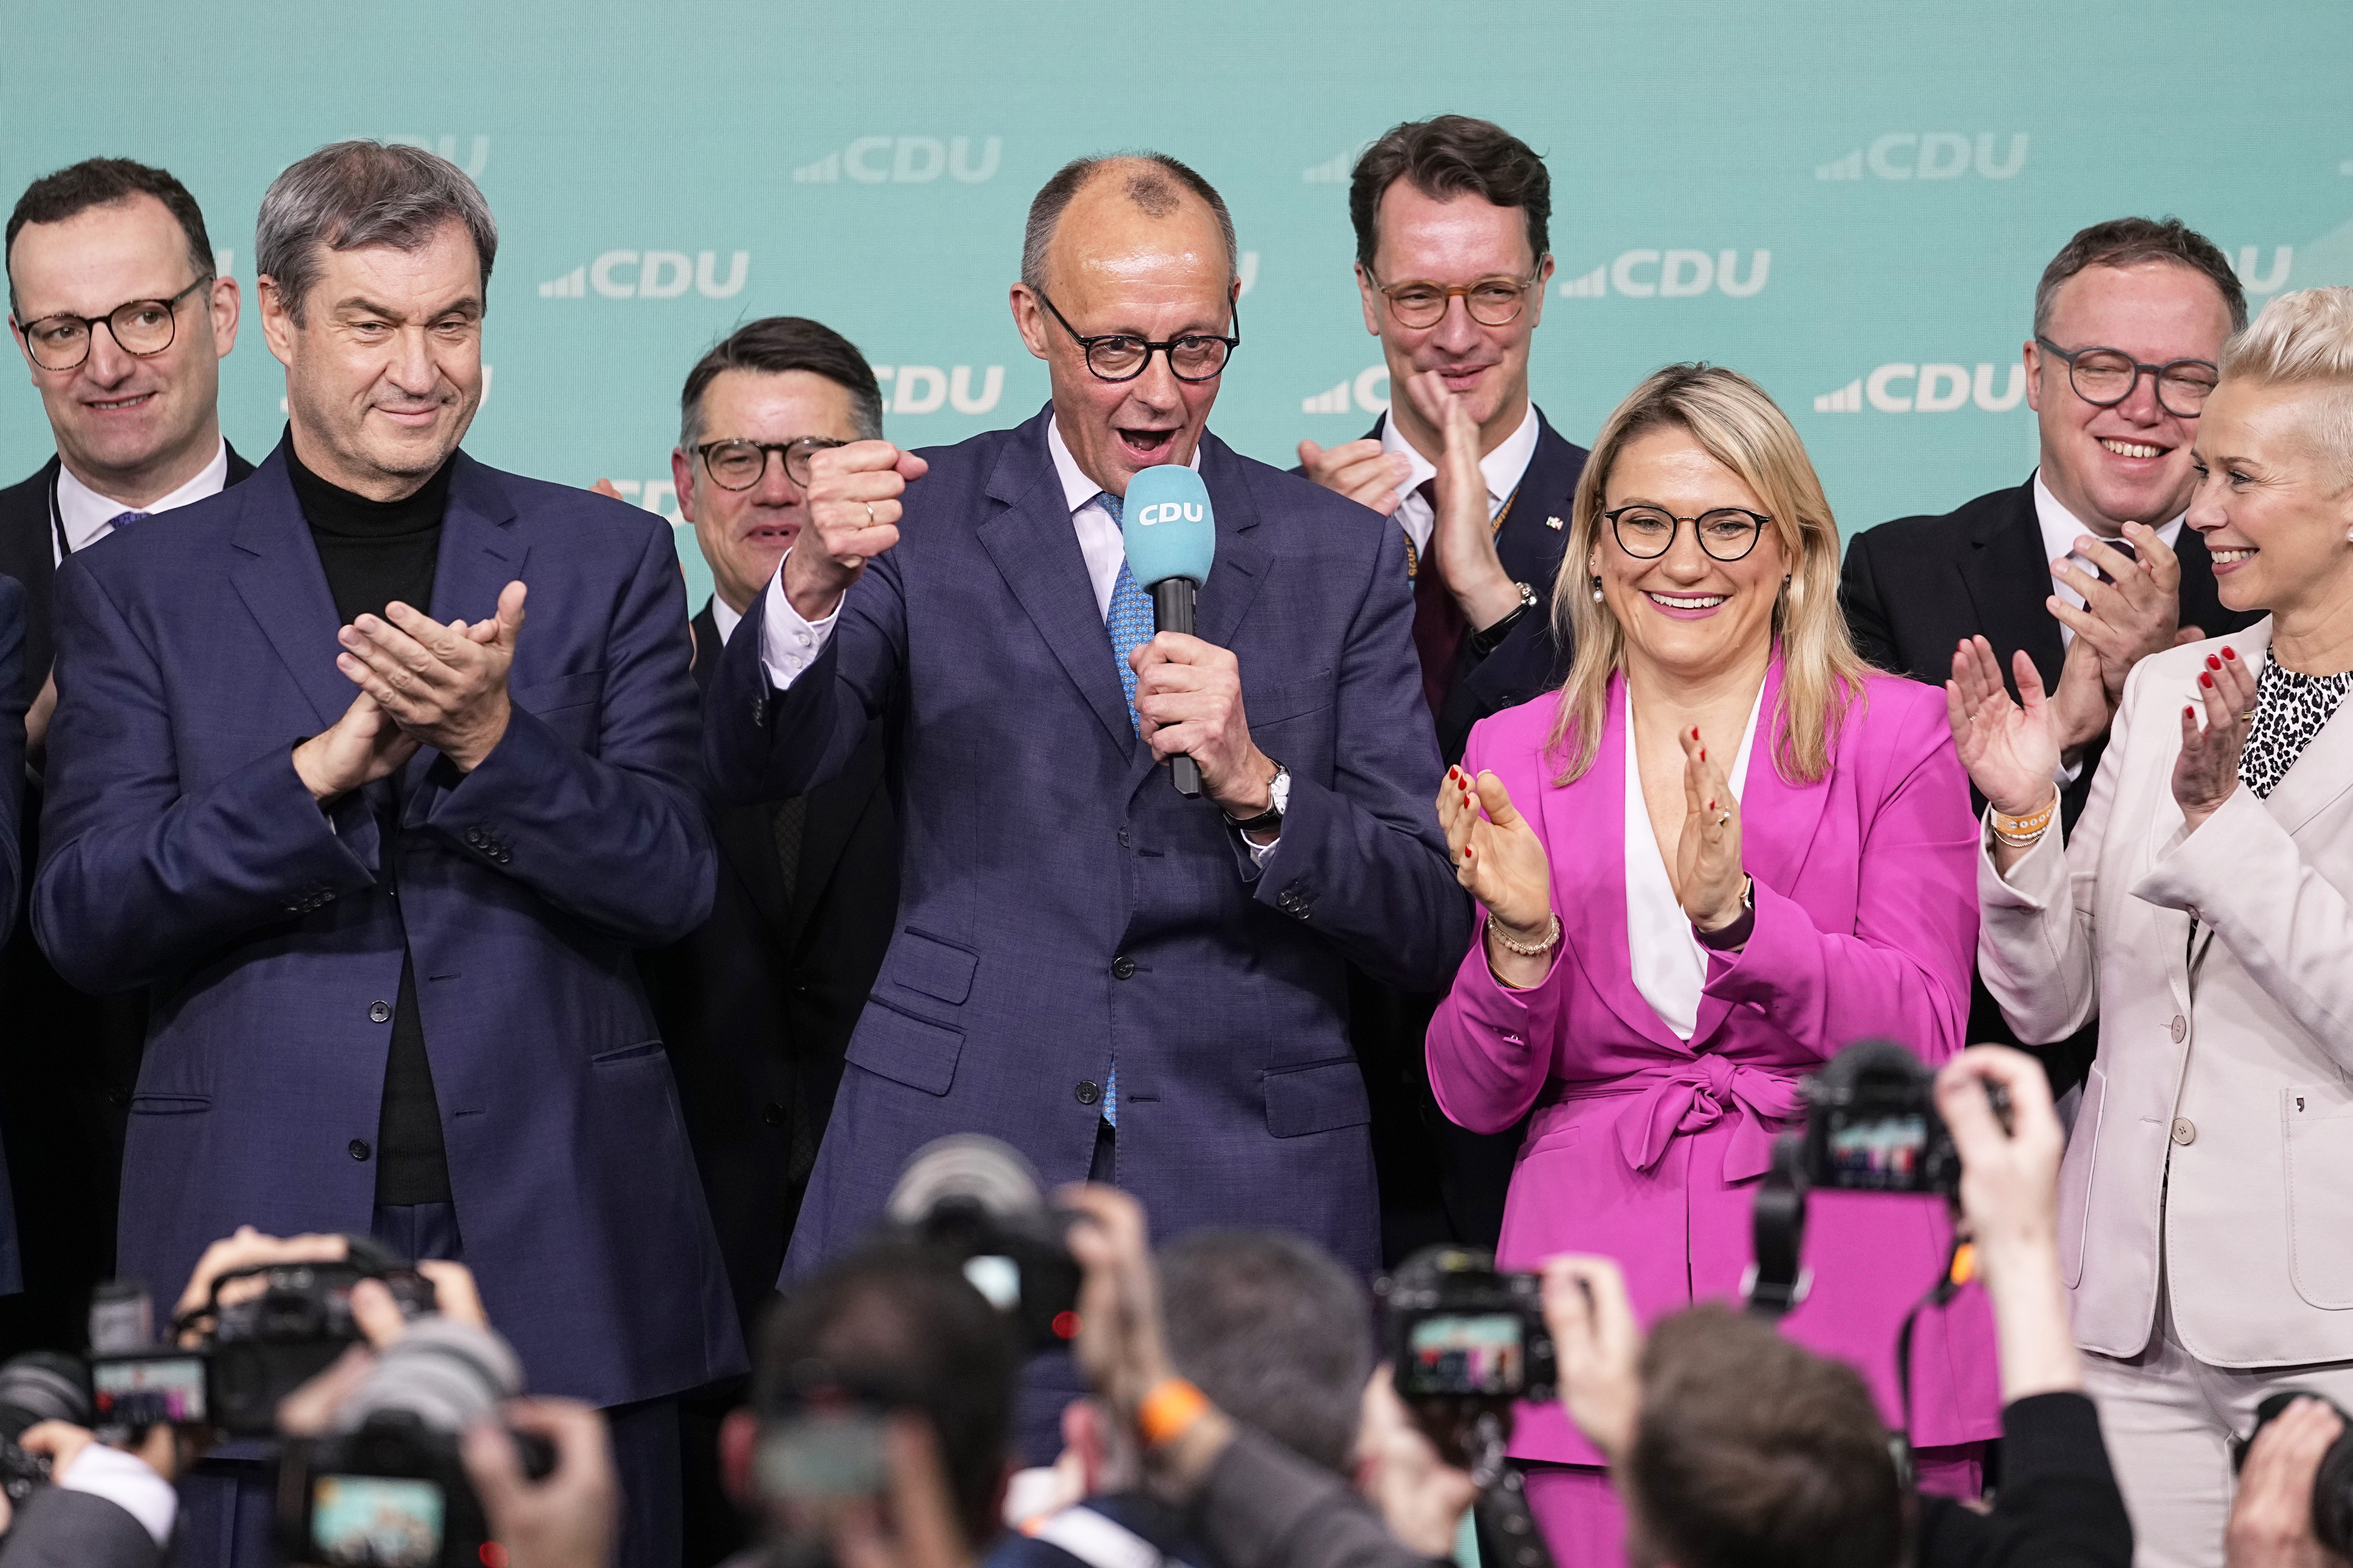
[226, 1506]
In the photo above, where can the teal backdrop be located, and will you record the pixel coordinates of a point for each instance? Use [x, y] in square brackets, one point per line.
[1850, 201]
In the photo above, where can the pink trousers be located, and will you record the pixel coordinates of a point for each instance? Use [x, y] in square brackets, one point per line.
[1586, 1527]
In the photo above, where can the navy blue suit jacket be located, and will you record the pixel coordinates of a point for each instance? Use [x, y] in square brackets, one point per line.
[1060, 906]
[14, 611]
[183, 855]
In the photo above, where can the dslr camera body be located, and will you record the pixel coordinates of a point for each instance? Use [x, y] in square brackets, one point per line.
[255, 1346]
[1459, 1327]
[389, 1487]
[978, 1201]
[36, 1387]
[1872, 1124]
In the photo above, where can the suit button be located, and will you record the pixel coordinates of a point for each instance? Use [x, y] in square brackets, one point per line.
[359, 1149]
[476, 836]
[379, 1012]
[773, 1114]
[1088, 1092]
[1123, 838]
[2185, 1132]
[2181, 1028]
[1123, 968]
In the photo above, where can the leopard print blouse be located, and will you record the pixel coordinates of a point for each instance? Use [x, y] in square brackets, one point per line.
[2290, 710]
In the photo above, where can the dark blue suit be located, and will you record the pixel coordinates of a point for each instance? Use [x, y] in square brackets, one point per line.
[14, 611]
[183, 855]
[1062, 906]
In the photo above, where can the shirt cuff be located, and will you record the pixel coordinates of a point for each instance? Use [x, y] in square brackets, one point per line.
[1260, 854]
[788, 644]
[126, 1481]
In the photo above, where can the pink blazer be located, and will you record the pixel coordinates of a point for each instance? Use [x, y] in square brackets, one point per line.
[1647, 1149]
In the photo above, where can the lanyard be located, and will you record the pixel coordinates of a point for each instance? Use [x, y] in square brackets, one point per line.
[1413, 557]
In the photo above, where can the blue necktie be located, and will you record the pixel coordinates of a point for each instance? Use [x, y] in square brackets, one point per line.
[123, 520]
[1129, 620]
[1130, 625]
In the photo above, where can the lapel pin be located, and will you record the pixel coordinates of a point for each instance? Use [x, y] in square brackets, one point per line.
[1554, 524]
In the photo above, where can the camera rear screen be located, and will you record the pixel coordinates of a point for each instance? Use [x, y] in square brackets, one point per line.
[1878, 1151]
[383, 1521]
[1467, 1354]
[142, 1393]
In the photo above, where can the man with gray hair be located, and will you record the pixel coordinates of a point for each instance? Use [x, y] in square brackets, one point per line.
[381, 861]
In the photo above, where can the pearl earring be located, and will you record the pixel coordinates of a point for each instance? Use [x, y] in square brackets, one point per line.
[1596, 587]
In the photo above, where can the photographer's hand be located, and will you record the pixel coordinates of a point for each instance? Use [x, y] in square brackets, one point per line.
[1599, 1346]
[250, 1248]
[570, 1520]
[1422, 1498]
[2271, 1521]
[2010, 1209]
[1120, 1347]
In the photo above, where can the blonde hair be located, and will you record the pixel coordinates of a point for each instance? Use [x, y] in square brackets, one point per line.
[1732, 420]
[2305, 338]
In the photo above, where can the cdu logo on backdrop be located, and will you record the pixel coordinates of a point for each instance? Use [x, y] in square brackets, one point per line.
[1928, 155]
[904, 160]
[923, 388]
[1672, 275]
[477, 160]
[651, 274]
[1367, 394]
[1902, 387]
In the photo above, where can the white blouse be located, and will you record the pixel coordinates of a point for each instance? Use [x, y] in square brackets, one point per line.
[1669, 964]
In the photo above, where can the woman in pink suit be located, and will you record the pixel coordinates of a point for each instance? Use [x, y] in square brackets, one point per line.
[1724, 850]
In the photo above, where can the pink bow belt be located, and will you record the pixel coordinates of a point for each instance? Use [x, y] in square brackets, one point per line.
[1691, 1096]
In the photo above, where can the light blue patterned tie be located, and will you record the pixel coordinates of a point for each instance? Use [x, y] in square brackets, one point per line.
[1129, 621]
[1130, 625]
[123, 520]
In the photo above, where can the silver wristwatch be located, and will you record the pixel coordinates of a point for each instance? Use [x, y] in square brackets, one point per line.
[1270, 819]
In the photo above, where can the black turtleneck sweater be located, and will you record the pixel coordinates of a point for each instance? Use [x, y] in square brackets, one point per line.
[375, 551]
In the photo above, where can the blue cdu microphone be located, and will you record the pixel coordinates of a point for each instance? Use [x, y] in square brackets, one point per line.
[1171, 538]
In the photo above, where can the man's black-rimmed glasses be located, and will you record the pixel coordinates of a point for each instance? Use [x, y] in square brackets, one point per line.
[1118, 356]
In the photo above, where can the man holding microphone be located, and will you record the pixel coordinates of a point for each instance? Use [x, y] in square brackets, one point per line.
[1118, 980]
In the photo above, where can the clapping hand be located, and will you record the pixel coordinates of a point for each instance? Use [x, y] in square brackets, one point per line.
[2011, 751]
[2206, 770]
[2134, 612]
[1708, 878]
[1498, 857]
[1462, 529]
[445, 686]
[1358, 470]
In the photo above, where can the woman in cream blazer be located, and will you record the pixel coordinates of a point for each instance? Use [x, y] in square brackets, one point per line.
[2203, 912]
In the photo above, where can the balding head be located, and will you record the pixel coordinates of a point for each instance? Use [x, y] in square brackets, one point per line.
[1136, 246]
[1157, 186]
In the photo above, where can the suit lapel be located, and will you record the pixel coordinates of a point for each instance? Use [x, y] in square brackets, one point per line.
[2318, 778]
[1240, 569]
[479, 554]
[1591, 857]
[1036, 553]
[745, 834]
[2007, 580]
[1529, 546]
[1778, 820]
[285, 589]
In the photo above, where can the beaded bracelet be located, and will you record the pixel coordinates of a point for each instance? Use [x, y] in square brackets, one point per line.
[1551, 935]
[2021, 832]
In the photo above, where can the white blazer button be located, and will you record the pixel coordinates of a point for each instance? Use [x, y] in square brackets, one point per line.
[2181, 1028]
[2185, 1132]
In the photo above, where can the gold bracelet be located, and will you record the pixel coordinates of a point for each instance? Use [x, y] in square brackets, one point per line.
[1552, 935]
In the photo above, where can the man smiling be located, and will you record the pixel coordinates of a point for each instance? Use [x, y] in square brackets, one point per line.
[381, 857]
[123, 325]
[2086, 565]
[1114, 978]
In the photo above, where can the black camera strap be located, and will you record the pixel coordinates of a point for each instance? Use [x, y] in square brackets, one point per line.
[1506, 1525]
[1778, 1281]
[1947, 1285]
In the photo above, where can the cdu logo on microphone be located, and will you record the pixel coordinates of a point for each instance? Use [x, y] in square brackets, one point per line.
[1167, 526]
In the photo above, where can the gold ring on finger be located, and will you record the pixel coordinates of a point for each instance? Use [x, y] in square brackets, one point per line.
[869, 514]
[1721, 817]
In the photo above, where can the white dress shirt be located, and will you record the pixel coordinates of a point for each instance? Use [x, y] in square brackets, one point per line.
[724, 618]
[1503, 468]
[1669, 966]
[126, 1481]
[2059, 532]
[88, 516]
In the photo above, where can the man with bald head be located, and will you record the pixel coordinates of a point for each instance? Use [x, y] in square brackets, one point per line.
[1114, 978]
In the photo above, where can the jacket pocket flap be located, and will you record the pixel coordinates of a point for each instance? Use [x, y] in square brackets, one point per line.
[169, 1104]
[936, 968]
[1274, 704]
[904, 1048]
[628, 1053]
[1322, 1098]
[563, 692]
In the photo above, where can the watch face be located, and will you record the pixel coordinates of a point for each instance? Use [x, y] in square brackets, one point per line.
[1281, 788]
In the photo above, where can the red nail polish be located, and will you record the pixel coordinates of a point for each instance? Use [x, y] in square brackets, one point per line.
[2190, 713]
[1694, 731]
[2204, 679]
[2213, 663]
[2228, 654]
